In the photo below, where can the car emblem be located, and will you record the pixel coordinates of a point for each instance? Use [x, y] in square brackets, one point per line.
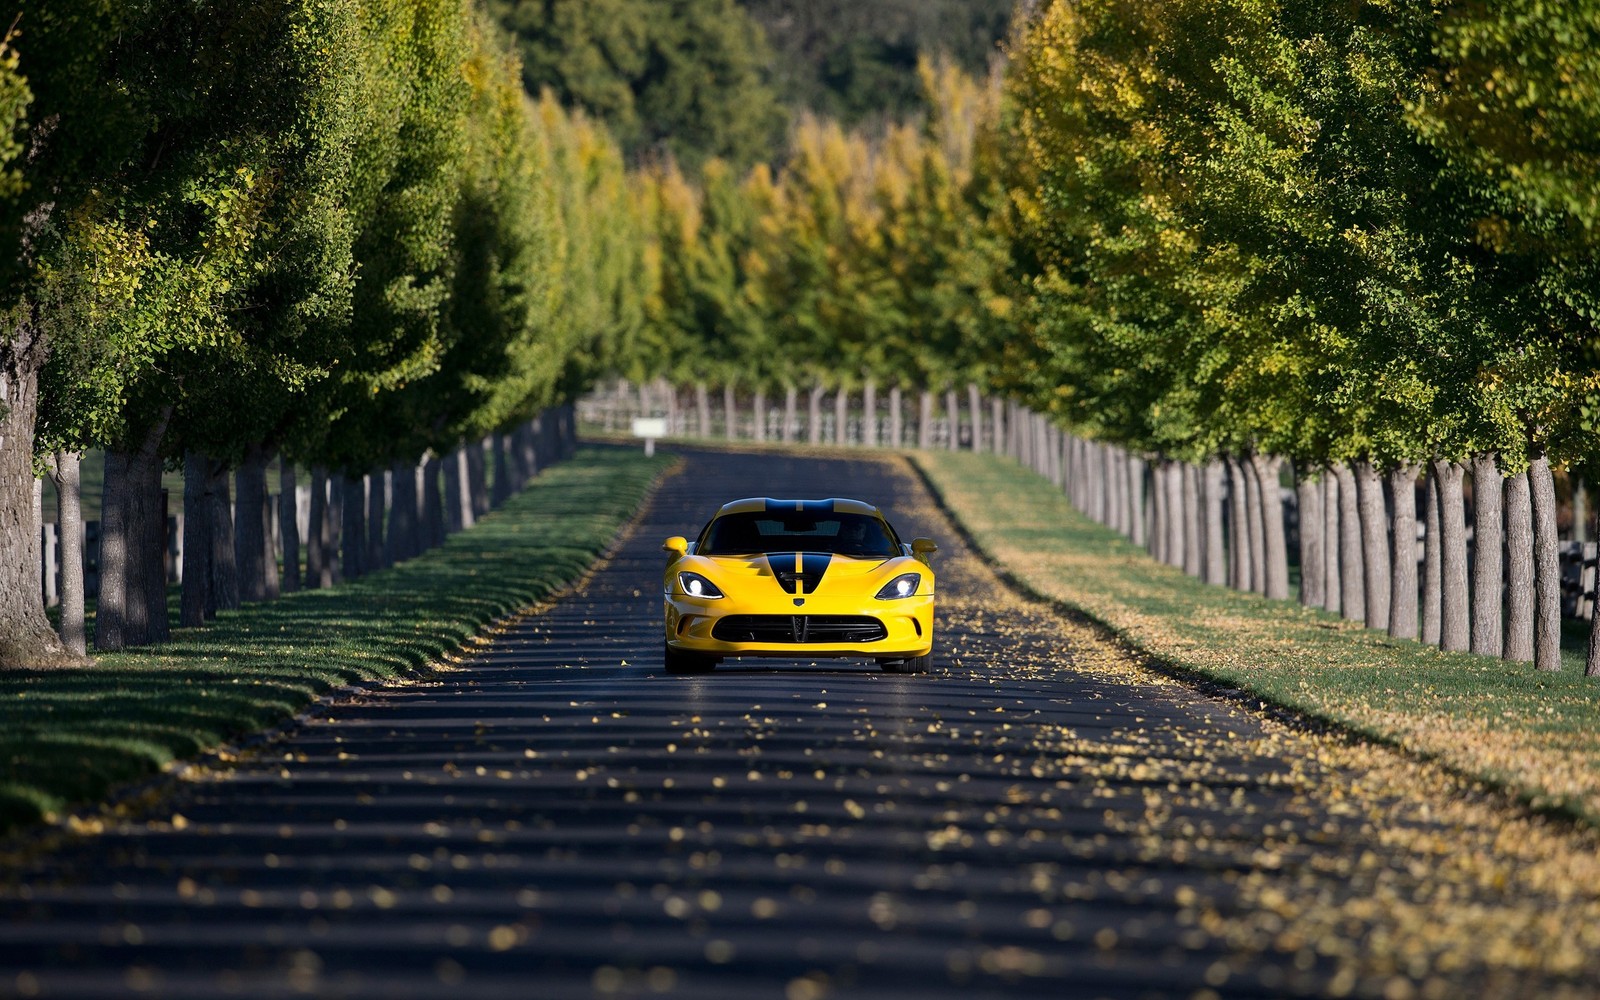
[799, 602]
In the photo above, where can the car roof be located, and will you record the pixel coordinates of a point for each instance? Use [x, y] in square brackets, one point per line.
[760, 505]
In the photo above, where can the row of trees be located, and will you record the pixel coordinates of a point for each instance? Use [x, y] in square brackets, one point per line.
[865, 261]
[334, 230]
[1360, 238]
[1346, 243]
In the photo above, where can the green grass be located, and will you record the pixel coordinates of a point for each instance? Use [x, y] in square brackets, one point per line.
[1537, 734]
[70, 736]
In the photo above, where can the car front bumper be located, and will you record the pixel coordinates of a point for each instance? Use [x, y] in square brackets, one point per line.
[692, 626]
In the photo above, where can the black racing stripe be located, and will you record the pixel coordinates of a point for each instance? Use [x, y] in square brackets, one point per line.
[813, 565]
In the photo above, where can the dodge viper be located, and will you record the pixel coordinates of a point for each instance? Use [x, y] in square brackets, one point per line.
[799, 578]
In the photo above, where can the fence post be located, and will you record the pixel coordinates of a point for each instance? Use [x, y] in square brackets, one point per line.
[50, 562]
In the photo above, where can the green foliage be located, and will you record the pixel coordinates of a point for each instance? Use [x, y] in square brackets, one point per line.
[864, 257]
[1514, 106]
[14, 100]
[1237, 240]
[857, 60]
[684, 78]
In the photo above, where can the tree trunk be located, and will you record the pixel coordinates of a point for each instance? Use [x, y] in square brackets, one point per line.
[975, 409]
[1136, 514]
[288, 528]
[500, 490]
[26, 638]
[1159, 535]
[65, 469]
[790, 404]
[1332, 581]
[841, 416]
[925, 420]
[1239, 558]
[530, 464]
[455, 508]
[1275, 546]
[317, 553]
[1255, 525]
[669, 394]
[869, 414]
[953, 416]
[353, 527]
[1455, 631]
[1580, 508]
[378, 490]
[702, 408]
[1215, 559]
[1591, 667]
[1546, 567]
[814, 415]
[1193, 518]
[145, 523]
[1374, 544]
[1403, 575]
[332, 566]
[432, 508]
[730, 412]
[1173, 472]
[1313, 576]
[758, 414]
[477, 486]
[1116, 482]
[1352, 569]
[997, 426]
[251, 548]
[402, 511]
[196, 541]
[223, 591]
[1519, 569]
[896, 417]
[111, 604]
[1432, 575]
[1488, 564]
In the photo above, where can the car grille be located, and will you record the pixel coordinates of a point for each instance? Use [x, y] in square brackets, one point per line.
[809, 629]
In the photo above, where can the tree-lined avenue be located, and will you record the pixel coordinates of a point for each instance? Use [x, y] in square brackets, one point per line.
[1038, 816]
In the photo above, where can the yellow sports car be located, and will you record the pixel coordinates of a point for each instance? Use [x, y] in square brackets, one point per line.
[799, 578]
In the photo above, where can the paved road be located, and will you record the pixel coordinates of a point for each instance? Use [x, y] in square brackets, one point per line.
[562, 818]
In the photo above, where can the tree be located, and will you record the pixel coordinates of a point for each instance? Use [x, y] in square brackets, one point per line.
[684, 78]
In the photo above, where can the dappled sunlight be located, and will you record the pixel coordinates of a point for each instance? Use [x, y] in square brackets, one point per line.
[72, 734]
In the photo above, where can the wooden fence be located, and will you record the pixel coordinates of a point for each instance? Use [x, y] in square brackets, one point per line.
[514, 456]
[871, 416]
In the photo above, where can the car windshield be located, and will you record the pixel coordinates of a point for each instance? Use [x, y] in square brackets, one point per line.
[860, 535]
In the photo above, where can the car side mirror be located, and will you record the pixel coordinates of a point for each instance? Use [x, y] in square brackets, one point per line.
[677, 546]
[923, 549]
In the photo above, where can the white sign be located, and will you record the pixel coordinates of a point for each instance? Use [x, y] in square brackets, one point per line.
[649, 428]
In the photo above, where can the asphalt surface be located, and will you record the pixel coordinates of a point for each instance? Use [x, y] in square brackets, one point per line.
[559, 817]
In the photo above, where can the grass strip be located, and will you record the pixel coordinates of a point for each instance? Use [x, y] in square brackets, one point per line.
[1534, 734]
[70, 736]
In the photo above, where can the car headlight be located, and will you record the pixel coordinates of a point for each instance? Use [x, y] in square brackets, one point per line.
[904, 585]
[696, 585]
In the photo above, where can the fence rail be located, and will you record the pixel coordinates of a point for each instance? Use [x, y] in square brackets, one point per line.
[873, 417]
[513, 457]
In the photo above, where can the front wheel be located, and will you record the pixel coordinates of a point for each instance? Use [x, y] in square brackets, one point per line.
[908, 665]
[680, 662]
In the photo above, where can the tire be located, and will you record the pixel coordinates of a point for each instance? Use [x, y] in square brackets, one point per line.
[679, 662]
[908, 665]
